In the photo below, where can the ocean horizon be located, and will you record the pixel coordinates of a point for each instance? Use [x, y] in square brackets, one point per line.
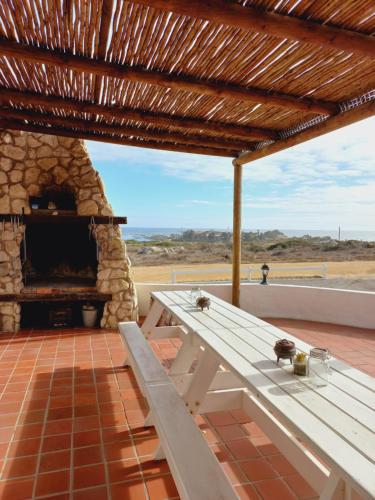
[148, 233]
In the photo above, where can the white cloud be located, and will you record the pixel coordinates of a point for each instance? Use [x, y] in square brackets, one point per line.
[348, 152]
[321, 183]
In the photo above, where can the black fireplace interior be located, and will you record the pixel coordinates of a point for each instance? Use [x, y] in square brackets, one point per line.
[59, 254]
[48, 314]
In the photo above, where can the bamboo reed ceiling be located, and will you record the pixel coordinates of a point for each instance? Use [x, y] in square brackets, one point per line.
[222, 77]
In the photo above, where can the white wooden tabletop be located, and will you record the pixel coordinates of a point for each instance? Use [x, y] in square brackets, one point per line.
[336, 421]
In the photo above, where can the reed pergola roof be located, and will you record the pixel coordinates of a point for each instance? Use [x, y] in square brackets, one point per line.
[232, 78]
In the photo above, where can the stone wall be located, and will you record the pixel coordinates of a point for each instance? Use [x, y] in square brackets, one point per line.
[29, 163]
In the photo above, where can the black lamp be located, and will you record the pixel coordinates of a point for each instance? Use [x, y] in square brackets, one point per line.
[265, 269]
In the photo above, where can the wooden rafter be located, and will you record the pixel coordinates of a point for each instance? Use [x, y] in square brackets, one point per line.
[331, 124]
[105, 23]
[157, 119]
[100, 67]
[254, 19]
[63, 132]
[121, 130]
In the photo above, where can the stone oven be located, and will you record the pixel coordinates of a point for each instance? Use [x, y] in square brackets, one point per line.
[48, 175]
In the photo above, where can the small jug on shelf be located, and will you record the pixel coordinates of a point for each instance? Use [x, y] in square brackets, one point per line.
[319, 369]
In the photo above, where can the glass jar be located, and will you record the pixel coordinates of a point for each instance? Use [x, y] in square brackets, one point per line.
[195, 293]
[319, 369]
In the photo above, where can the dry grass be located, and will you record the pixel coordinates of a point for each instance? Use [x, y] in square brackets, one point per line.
[162, 273]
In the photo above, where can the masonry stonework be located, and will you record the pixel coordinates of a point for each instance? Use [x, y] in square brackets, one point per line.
[29, 163]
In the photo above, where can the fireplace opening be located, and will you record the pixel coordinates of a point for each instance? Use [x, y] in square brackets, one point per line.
[61, 198]
[59, 254]
[46, 315]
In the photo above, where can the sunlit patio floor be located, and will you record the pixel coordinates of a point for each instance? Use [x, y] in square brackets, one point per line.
[71, 420]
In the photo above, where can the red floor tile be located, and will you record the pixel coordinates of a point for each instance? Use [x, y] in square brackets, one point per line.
[242, 448]
[24, 447]
[119, 450]
[88, 455]
[274, 489]
[247, 492]
[58, 442]
[123, 470]
[90, 475]
[131, 490]
[258, 469]
[55, 460]
[86, 438]
[229, 432]
[300, 487]
[161, 488]
[16, 490]
[52, 482]
[20, 467]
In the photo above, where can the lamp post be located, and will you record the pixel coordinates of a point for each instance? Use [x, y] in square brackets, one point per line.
[265, 269]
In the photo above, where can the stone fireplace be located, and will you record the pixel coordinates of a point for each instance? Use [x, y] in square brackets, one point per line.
[54, 175]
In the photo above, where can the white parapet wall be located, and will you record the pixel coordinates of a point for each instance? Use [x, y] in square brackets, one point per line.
[327, 305]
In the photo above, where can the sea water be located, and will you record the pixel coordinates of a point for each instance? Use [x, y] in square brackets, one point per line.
[148, 233]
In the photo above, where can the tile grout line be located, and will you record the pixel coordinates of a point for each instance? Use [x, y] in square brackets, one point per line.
[71, 465]
[42, 436]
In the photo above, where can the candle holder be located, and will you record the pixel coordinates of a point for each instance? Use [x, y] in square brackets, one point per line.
[300, 366]
[195, 293]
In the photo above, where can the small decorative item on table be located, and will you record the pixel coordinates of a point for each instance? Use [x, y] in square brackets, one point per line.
[319, 369]
[285, 349]
[203, 302]
[195, 293]
[300, 366]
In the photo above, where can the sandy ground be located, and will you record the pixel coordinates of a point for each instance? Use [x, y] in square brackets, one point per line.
[356, 274]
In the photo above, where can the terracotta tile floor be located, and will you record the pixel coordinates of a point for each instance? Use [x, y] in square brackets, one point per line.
[71, 423]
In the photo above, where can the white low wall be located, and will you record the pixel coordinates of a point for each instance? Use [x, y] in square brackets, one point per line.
[328, 305]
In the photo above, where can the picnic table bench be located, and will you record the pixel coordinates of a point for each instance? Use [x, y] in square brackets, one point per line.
[327, 433]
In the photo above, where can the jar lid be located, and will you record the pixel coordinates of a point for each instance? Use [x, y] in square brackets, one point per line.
[319, 352]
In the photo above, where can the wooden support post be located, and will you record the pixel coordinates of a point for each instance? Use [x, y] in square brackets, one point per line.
[236, 246]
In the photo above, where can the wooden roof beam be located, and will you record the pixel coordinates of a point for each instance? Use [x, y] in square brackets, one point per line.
[158, 119]
[100, 67]
[330, 125]
[253, 19]
[105, 23]
[63, 132]
[94, 126]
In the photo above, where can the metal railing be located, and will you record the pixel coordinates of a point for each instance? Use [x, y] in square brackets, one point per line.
[249, 272]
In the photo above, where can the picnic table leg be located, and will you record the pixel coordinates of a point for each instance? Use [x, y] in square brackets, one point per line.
[201, 381]
[152, 318]
[335, 489]
[185, 356]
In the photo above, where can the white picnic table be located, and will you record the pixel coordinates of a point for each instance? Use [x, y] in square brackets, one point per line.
[327, 433]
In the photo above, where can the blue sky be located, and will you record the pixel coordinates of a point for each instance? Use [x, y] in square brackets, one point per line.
[324, 183]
